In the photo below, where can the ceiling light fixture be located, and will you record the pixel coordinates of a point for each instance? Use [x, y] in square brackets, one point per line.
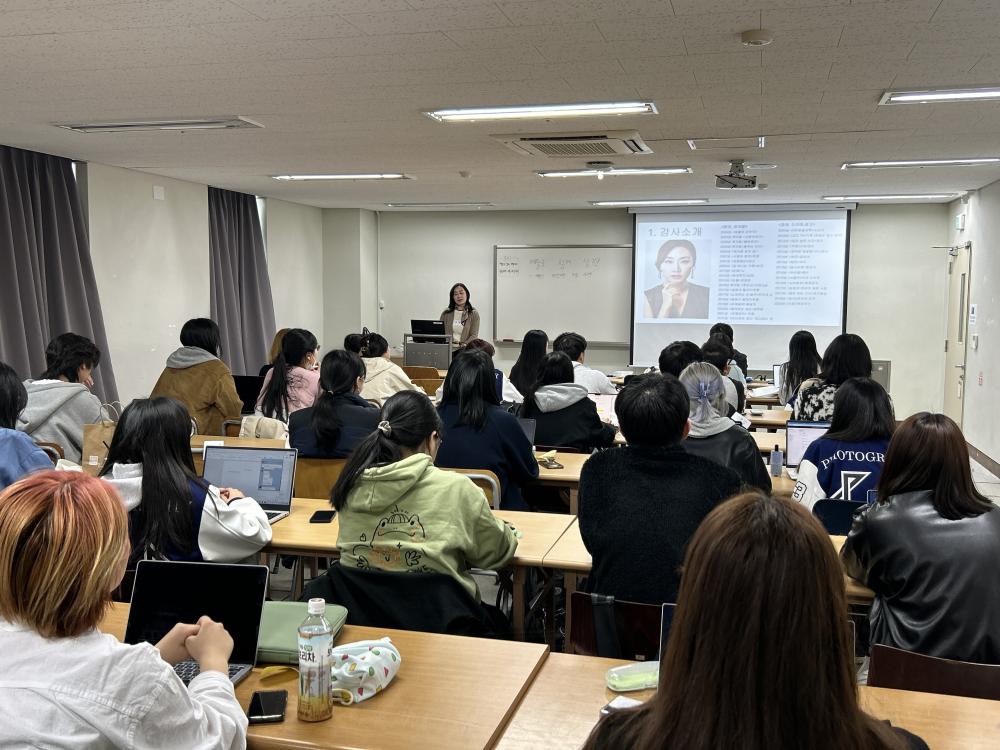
[370, 176]
[933, 96]
[438, 205]
[542, 111]
[913, 197]
[974, 161]
[613, 171]
[653, 202]
[756, 38]
[224, 122]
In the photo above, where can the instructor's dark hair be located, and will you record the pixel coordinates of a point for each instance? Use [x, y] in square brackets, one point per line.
[13, 396]
[862, 410]
[296, 344]
[408, 419]
[338, 375]
[678, 355]
[652, 410]
[66, 354]
[202, 333]
[468, 297]
[156, 432]
[471, 384]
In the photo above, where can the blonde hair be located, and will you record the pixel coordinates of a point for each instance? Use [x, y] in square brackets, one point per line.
[276, 345]
[63, 537]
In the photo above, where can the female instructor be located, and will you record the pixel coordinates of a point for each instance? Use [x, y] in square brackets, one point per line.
[461, 319]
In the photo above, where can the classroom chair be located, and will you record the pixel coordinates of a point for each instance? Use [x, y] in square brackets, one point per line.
[315, 477]
[430, 385]
[231, 427]
[420, 371]
[53, 450]
[485, 480]
[905, 670]
[615, 629]
[836, 515]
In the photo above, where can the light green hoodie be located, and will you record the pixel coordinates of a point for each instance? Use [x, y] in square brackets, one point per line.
[412, 516]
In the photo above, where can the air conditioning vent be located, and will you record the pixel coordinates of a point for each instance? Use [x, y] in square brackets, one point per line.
[576, 145]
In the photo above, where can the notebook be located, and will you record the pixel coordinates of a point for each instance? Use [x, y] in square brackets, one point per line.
[166, 593]
[265, 474]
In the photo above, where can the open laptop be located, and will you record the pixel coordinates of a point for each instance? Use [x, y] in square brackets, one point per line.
[166, 593]
[427, 328]
[605, 406]
[528, 425]
[248, 389]
[777, 376]
[265, 474]
[799, 436]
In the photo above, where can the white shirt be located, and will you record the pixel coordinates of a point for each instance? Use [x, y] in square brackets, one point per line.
[596, 382]
[457, 326]
[93, 692]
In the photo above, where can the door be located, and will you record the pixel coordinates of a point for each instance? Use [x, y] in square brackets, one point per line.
[958, 329]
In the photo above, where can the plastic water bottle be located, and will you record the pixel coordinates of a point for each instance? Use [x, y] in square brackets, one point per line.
[315, 663]
[777, 461]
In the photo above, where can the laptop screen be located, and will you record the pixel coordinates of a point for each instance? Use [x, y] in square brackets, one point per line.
[166, 593]
[800, 435]
[528, 425]
[265, 474]
[248, 389]
[777, 376]
[605, 406]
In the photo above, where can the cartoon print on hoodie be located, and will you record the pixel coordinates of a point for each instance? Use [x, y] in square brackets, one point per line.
[397, 525]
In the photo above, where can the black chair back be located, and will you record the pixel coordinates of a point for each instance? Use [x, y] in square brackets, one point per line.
[836, 515]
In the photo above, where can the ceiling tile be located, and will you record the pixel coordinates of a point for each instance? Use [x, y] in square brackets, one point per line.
[513, 36]
[431, 19]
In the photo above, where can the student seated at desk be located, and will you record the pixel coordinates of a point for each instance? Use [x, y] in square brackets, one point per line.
[293, 382]
[505, 390]
[717, 352]
[854, 448]
[803, 364]
[383, 377]
[340, 418]
[524, 373]
[717, 437]
[561, 409]
[930, 548]
[196, 377]
[64, 544]
[478, 433]
[760, 653]
[640, 504]
[739, 358]
[18, 453]
[173, 513]
[399, 512]
[59, 400]
[847, 356]
[574, 346]
[678, 355]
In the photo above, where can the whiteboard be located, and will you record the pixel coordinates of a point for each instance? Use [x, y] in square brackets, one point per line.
[582, 288]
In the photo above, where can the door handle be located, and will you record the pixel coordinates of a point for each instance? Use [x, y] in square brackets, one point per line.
[960, 367]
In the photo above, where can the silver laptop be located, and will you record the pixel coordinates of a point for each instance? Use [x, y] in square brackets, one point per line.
[799, 436]
[265, 474]
[166, 593]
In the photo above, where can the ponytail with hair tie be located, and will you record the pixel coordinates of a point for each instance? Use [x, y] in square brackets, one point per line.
[385, 428]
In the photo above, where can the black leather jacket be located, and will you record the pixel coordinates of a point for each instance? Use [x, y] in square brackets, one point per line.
[936, 581]
[736, 449]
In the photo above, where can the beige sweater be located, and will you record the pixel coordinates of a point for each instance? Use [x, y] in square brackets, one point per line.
[384, 378]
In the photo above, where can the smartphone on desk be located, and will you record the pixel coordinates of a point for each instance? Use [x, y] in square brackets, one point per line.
[322, 516]
[267, 707]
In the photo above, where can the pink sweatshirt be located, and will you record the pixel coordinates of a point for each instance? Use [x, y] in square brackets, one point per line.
[303, 388]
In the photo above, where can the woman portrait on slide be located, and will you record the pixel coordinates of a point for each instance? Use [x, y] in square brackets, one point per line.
[676, 297]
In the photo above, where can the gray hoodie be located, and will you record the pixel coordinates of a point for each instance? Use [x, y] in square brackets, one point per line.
[189, 356]
[555, 397]
[56, 413]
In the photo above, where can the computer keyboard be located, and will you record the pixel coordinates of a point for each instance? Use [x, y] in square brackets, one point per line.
[188, 670]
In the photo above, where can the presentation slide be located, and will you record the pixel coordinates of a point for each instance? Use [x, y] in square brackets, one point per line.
[768, 274]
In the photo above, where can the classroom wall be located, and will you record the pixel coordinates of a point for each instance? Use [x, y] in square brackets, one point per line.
[981, 398]
[897, 297]
[151, 263]
[295, 266]
[350, 272]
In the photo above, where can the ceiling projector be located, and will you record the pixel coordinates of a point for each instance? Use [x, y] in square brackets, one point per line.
[737, 179]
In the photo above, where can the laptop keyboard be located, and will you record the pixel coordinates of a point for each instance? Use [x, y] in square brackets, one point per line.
[188, 670]
[272, 514]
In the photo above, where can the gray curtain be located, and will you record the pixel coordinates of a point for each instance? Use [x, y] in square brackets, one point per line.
[47, 283]
[241, 288]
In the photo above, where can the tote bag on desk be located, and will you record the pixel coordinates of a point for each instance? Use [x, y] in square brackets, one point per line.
[97, 438]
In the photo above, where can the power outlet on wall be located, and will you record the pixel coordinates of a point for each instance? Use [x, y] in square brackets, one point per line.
[159, 193]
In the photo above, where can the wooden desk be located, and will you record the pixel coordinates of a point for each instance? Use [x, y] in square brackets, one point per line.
[197, 447]
[762, 400]
[568, 476]
[767, 440]
[451, 692]
[770, 419]
[563, 704]
[294, 535]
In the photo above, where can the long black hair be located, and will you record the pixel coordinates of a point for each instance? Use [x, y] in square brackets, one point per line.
[862, 410]
[338, 375]
[373, 345]
[408, 419]
[555, 368]
[66, 354]
[156, 432]
[298, 342]
[353, 342]
[472, 384]
[468, 297]
[13, 396]
[847, 356]
[525, 371]
[803, 360]
[202, 333]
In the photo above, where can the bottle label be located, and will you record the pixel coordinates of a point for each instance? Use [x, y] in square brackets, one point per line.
[315, 685]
